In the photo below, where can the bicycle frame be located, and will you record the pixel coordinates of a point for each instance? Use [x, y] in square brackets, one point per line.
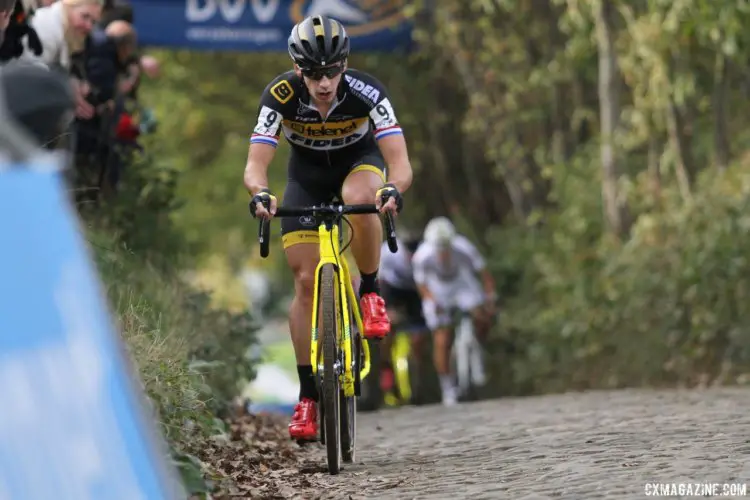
[469, 365]
[400, 353]
[330, 254]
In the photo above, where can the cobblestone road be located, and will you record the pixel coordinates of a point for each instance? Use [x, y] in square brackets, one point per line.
[589, 445]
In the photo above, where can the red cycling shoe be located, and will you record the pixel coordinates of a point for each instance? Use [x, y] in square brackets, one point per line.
[304, 424]
[374, 316]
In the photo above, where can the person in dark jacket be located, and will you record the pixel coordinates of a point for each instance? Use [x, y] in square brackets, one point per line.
[108, 67]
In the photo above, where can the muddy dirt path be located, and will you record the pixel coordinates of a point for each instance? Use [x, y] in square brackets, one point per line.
[590, 445]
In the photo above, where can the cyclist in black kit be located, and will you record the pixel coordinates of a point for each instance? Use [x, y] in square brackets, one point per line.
[343, 132]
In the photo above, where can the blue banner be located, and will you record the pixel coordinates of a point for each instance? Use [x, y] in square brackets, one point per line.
[72, 423]
[264, 25]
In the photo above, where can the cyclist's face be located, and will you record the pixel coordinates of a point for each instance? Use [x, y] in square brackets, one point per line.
[322, 83]
[444, 254]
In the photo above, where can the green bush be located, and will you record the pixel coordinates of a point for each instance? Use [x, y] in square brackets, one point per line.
[667, 306]
[190, 356]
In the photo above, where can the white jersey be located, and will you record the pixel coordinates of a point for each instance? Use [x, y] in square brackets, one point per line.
[452, 285]
[465, 261]
[396, 268]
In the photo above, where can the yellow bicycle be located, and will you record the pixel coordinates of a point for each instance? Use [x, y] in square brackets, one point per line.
[336, 324]
[400, 356]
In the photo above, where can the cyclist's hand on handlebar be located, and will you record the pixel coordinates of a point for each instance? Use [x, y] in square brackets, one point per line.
[263, 204]
[388, 199]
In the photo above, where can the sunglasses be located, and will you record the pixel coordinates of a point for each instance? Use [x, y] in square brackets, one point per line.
[318, 73]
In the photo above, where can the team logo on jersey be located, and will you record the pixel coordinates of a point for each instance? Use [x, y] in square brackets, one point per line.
[361, 89]
[324, 144]
[361, 17]
[282, 91]
[325, 130]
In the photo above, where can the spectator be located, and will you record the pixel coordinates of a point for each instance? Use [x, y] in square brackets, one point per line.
[14, 29]
[110, 55]
[63, 28]
[110, 66]
[31, 6]
[6, 9]
[41, 101]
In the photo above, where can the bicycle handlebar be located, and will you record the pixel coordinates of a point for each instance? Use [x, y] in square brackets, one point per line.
[330, 210]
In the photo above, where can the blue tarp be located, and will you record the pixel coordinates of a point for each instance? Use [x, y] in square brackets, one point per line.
[264, 25]
[72, 423]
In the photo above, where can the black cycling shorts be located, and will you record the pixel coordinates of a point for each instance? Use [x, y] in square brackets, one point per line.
[312, 185]
[408, 303]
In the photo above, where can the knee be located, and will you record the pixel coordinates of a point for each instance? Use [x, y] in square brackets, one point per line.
[358, 193]
[304, 283]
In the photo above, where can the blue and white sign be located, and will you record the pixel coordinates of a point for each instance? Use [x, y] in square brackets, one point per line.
[264, 25]
[72, 423]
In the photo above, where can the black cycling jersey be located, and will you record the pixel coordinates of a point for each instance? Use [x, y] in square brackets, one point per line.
[360, 115]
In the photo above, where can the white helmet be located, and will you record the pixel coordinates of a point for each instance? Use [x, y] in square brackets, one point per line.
[439, 231]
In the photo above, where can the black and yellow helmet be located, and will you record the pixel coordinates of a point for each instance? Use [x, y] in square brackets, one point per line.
[318, 41]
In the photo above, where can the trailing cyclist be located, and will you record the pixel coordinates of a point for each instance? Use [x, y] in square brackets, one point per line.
[446, 270]
[343, 132]
[404, 303]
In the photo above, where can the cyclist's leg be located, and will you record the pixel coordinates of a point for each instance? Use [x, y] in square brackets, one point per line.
[439, 321]
[359, 187]
[472, 300]
[482, 322]
[300, 240]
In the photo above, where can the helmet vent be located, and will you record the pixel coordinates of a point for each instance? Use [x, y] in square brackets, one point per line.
[320, 39]
[307, 46]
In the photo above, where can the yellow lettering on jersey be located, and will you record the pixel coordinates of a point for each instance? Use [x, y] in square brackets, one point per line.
[327, 130]
[282, 91]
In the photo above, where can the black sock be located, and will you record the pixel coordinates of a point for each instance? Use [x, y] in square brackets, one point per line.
[368, 283]
[307, 387]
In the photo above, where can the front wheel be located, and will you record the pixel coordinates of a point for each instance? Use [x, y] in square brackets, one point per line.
[349, 405]
[331, 368]
[348, 427]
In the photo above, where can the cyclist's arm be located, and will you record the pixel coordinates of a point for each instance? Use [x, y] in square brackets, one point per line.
[263, 144]
[425, 293]
[259, 158]
[488, 282]
[480, 266]
[420, 276]
[393, 148]
[390, 139]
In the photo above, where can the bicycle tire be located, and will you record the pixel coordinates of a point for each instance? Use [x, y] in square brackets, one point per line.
[349, 413]
[331, 386]
[348, 428]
